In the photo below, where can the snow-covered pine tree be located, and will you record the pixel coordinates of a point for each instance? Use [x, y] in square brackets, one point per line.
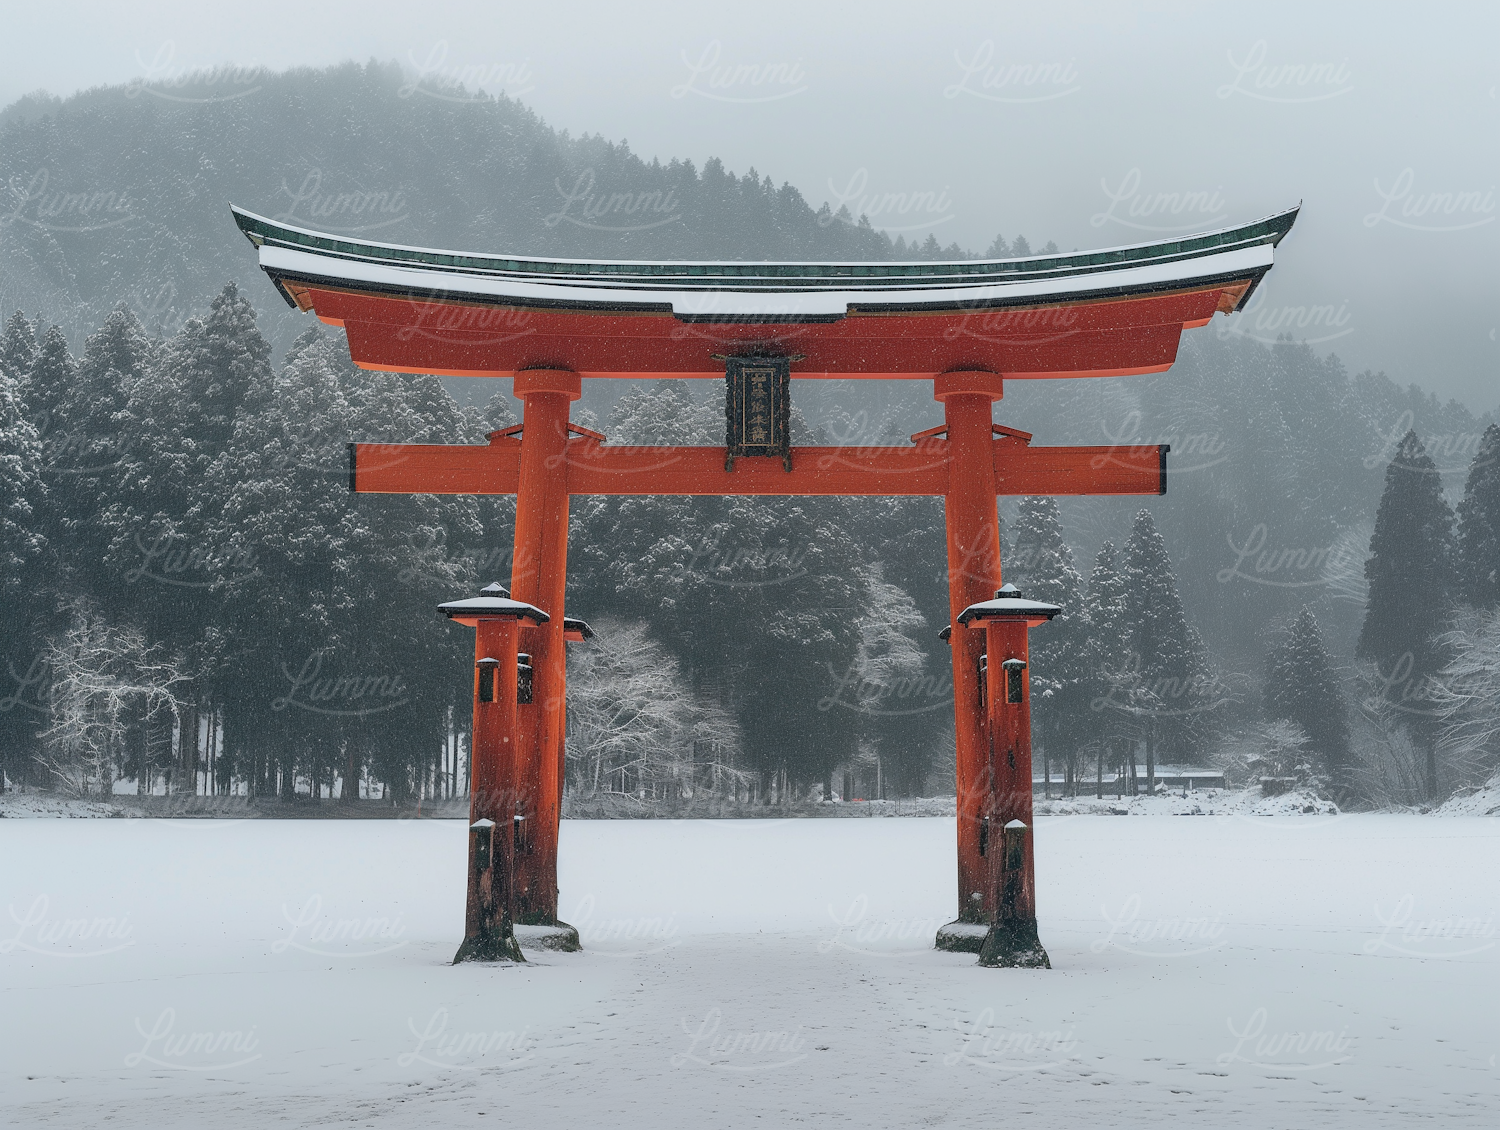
[281, 569]
[1167, 669]
[1413, 582]
[90, 450]
[315, 582]
[53, 373]
[20, 488]
[1040, 564]
[1411, 563]
[1106, 647]
[500, 410]
[21, 553]
[18, 348]
[413, 545]
[1301, 686]
[153, 519]
[180, 415]
[1479, 526]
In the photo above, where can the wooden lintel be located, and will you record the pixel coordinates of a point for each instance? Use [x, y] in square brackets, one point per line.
[603, 469]
[599, 469]
[1134, 469]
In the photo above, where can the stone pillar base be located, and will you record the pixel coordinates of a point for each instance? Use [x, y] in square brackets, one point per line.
[1013, 946]
[962, 937]
[557, 936]
[489, 949]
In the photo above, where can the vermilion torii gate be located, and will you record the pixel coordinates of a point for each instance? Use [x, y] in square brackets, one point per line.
[967, 327]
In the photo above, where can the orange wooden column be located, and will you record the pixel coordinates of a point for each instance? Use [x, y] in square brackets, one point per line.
[973, 575]
[1003, 623]
[539, 576]
[489, 918]
[1012, 863]
[489, 926]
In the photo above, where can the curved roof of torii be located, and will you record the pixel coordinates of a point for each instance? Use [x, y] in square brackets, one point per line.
[1094, 313]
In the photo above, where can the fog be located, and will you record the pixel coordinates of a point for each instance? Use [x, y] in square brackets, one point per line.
[1090, 125]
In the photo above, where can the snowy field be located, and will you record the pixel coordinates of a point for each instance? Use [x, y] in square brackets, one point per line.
[1218, 971]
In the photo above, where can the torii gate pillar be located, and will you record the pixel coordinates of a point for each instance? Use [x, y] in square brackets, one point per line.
[489, 920]
[1011, 939]
[539, 576]
[973, 530]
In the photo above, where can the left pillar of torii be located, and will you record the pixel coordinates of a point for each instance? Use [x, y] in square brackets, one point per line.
[1006, 819]
[539, 570]
[490, 911]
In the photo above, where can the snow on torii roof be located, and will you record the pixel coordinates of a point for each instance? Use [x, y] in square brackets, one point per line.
[424, 310]
[1009, 604]
[493, 602]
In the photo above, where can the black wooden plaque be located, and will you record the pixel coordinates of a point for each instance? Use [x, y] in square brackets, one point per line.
[757, 408]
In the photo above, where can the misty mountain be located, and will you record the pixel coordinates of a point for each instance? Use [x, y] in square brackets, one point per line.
[122, 193]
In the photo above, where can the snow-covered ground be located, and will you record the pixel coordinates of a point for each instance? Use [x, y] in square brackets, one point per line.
[1198, 802]
[26, 804]
[1223, 971]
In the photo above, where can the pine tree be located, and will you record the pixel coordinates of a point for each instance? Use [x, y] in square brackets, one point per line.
[1040, 564]
[179, 416]
[500, 410]
[21, 555]
[1302, 687]
[1479, 526]
[20, 489]
[18, 348]
[1169, 678]
[87, 460]
[1411, 565]
[1105, 652]
[1413, 581]
[53, 374]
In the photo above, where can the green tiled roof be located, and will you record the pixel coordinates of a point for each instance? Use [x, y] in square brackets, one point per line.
[780, 275]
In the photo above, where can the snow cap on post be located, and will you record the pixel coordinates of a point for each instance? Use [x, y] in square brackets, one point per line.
[1009, 604]
[492, 603]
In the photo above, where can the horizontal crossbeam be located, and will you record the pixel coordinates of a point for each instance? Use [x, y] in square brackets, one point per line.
[603, 469]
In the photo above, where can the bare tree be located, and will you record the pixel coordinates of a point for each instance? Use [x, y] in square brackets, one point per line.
[1467, 696]
[1394, 767]
[104, 678]
[635, 726]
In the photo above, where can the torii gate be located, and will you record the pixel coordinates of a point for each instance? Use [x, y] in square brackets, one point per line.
[967, 327]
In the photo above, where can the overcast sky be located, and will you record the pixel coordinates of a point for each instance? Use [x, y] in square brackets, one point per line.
[1091, 125]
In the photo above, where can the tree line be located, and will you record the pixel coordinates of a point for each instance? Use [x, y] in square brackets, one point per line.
[194, 601]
